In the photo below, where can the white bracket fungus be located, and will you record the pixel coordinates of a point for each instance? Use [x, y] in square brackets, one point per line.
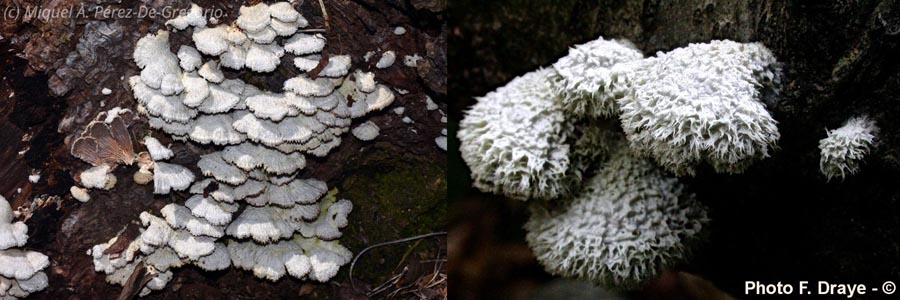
[585, 80]
[522, 152]
[441, 142]
[98, 177]
[630, 222]
[80, 194]
[707, 109]
[168, 177]
[844, 148]
[20, 270]
[429, 104]
[260, 140]
[366, 131]
[189, 59]
[194, 17]
[156, 149]
[387, 59]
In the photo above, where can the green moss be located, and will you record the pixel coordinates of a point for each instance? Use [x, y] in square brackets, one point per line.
[391, 200]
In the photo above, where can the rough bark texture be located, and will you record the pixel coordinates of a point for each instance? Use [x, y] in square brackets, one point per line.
[54, 70]
[780, 220]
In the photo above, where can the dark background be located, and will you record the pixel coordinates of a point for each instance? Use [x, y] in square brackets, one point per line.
[780, 220]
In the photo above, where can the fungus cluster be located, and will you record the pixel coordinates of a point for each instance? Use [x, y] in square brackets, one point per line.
[20, 270]
[634, 122]
[844, 148]
[629, 222]
[251, 208]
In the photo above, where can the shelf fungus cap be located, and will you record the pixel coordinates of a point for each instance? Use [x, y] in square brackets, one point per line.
[294, 129]
[220, 259]
[158, 282]
[308, 87]
[220, 100]
[630, 222]
[262, 224]
[164, 259]
[180, 217]
[211, 72]
[267, 261]
[702, 104]
[21, 264]
[262, 59]
[366, 131]
[196, 89]
[143, 175]
[293, 192]
[514, 140]
[213, 165]
[211, 41]
[11, 289]
[253, 18]
[284, 28]
[387, 59]
[216, 129]
[248, 156]
[191, 246]
[844, 148]
[158, 233]
[156, 149]
[273, 106]
[284, 12]
[79, 193]
[325, 258]
[441, 142]
[168, 177]
[152, 55]
[189, 58]
[168, 108]
[99, 177]
[235, 57]
[226, 193]
[381, 98]
[333, 217]
[586, 81]
[337, 66]
[214, 212]
[194, 17]
[265, 36]
[365, 81]
[302, 44]
[12, 234]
